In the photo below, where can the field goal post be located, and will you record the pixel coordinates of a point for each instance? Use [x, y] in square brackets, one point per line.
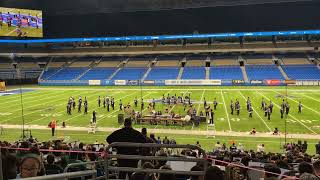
[3, 86]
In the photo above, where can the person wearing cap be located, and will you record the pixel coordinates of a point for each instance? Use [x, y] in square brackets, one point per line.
[30, 166]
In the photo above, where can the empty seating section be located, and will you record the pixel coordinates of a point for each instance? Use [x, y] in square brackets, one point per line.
[195, 63]
[194, 73]
[81, 64]
[98, 74]
[169, 63]
[130, 74]
[49, 72]
[293, 61]
[302, 72]
[29, 65]
[56, 64]
[108, 64]
[259, 60]
[6, 70]
[132, 63]
[226, 72]
[224, 62]
[263, 72]
[4, 66]
[68, 74]
[163, 73]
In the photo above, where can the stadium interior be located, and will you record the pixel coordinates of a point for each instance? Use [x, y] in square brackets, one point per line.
[158, 90]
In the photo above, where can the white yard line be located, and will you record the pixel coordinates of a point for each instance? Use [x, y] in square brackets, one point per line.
[289, 114]
[175, 104]
[298, 103]
[311, 97]
[30, 102]
[96, 106]
[257, 113]
[181, 89]
[34, 110]
[56, 112]
[225, 107]
[201, 99]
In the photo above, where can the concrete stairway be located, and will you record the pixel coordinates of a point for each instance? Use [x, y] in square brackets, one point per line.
[244, 74]
[180, 73]
[114, 73]
[207, 72]
[283, 73]
[146, 74]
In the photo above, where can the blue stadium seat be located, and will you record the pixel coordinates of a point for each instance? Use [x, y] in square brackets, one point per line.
[130, 74]
[49, 72]
[302, 72]
[263, 72]
[194, 73]
[98, 74]
[68, 74]
[226, 72]
[163, 73]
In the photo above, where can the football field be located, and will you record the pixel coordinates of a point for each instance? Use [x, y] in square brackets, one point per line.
[41, 104]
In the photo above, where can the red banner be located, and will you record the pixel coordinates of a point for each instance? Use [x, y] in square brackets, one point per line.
[272, 82]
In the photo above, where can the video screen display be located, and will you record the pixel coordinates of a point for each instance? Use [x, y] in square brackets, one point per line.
[20, 23]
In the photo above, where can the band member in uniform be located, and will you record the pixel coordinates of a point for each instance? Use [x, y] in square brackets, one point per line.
[281, 112]
[79, 104]
[268, 113]
[135, 102]
[204, 103]
[99, 101]
[237, 106]
[154, 104]
[69, 108]
[231, 107]
[112, 103]
[287, 108]
[263, 104]
[215, 103]
[207, 109]
[271, 107]
[248, 103]
[250, 111]
[142, 104]
[104, 102]
[300, 107]
[85, 104]
[120, 105]
[108, 106]
[73, 103]
[211, 116]
[94, 117]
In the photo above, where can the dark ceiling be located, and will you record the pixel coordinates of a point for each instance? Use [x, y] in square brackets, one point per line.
[74, 7]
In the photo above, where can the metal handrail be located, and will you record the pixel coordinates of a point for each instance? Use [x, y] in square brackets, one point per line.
[65, 175]
[141, 157]
[79, 164]
[154, 145]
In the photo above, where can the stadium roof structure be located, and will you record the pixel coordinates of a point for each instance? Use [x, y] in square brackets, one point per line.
[166, 37]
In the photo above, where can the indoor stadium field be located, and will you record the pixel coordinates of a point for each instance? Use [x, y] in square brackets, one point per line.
[41, 104]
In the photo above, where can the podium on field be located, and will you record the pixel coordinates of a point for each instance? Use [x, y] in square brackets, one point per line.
[92, 128]
[211, 130]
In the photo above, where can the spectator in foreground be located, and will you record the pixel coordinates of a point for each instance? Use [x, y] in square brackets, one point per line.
[214, 172]
[305, 167]
[126, 134]
[166, 176]
[308, 176]
[316, 168]
[318, 148]
[51, 167]
[30, 166]
[9, 168]
[275, 170]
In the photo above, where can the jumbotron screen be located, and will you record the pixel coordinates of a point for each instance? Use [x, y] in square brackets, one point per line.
[20, 22]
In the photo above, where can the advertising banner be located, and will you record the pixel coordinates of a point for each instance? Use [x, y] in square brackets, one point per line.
[256, 82]
[213, 82]
[272, 82]
[132, 82]
[94, 82]
[148, 82]
[120, 82]
[238, 82]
